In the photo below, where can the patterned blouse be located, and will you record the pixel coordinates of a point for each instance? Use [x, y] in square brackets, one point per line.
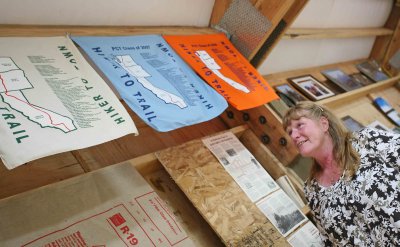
[366, 210]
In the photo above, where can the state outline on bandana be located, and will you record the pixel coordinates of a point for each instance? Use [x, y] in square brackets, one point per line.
[140, 74]
[211, 64]
[12, 82]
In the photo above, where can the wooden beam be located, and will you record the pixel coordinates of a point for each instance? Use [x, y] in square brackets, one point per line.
[274, 11]
[44, 31]
[277, 32]
[334, 33]
[266, 127]
[382, 43]
[219, 9]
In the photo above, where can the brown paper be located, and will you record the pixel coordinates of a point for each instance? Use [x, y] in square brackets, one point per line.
[113, 206]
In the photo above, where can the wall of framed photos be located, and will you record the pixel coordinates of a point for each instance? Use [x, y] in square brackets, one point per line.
[355, 103]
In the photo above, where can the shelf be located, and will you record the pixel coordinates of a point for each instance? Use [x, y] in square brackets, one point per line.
[355, 103]
[349, 96]
[334, 33]
[348, 67]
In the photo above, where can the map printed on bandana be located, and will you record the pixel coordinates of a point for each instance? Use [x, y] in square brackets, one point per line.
[52, 101]
[155, 82]
[219, 63]
[13, 81]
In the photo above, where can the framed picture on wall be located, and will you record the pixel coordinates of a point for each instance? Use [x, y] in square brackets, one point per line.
[362, 79]
[382, 105]
[396, 129]
[311, 87]
[341, 79]
[387, 109]
[394, 116]
[290, 92]
[351, 124]
[372, 69]
[378, 125]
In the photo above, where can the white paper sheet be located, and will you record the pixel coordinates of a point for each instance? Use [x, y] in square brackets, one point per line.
[282, 212]
[307, 236]
[241, 165]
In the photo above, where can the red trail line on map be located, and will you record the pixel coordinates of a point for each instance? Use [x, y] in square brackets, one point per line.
[12, 96]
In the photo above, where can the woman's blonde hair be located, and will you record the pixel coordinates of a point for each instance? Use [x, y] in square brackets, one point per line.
[344, 153]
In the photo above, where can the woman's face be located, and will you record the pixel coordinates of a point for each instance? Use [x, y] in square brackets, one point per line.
[308, 135]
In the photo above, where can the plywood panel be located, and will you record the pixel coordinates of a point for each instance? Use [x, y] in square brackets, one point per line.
[188, 217]
[217, 197]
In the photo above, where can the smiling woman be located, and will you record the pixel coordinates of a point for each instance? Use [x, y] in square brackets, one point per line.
[353, 188]
[324, 138]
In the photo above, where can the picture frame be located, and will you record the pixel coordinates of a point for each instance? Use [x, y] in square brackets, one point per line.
[279, 106]
[394, 116]
[372, 70]
[378, 125]
[352, 124]
[281, 211]
[290, 92]
[382, 105]
[311, 87]
[362, 79]
[387, 109]
[341, 79]
[288, 101]
[396, 129]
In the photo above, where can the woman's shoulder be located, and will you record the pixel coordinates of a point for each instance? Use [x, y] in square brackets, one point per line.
[365, 132]
[361, 137]
[372, 133]
[371, 140]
